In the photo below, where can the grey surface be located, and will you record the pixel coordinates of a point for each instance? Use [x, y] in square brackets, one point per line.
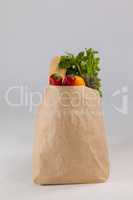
[15, 169]
[31, 33]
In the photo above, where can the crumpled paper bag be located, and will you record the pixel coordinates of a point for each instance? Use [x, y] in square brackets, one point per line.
[70, 144]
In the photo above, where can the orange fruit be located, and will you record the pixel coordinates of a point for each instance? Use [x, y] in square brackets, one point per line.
[79, 81]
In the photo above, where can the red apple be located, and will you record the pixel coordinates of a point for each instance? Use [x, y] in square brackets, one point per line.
[55, 79]
[69, 80]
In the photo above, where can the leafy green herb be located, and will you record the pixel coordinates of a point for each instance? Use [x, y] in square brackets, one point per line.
[84, 64]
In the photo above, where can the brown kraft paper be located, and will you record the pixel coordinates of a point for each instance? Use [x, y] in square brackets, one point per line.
[70, 144]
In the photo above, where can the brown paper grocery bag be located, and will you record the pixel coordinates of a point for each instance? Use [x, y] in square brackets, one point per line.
[70, 144]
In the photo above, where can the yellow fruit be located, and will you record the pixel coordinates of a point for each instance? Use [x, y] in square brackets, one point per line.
[79, 81]
[54, 67]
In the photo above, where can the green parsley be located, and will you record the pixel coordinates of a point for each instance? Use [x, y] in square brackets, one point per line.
[84, 64]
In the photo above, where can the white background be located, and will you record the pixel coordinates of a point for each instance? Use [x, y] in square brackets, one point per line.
[31, 33]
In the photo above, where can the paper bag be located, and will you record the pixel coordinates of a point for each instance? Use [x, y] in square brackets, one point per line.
[70, 144]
